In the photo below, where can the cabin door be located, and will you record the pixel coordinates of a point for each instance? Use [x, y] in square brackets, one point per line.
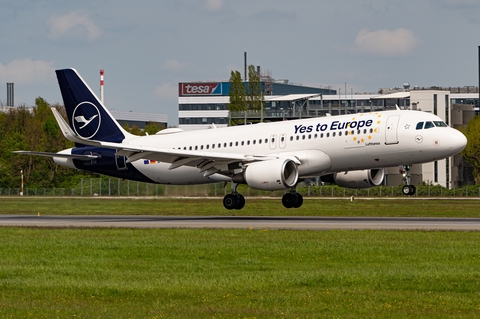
[391, 130]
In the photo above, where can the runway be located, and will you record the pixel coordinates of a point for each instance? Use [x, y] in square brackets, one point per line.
[242, 222]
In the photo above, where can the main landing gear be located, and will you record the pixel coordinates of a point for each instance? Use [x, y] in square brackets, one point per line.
[237, 201]
[407, 189]
[234, 200]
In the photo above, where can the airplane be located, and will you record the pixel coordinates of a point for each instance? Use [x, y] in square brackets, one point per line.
[350, 150]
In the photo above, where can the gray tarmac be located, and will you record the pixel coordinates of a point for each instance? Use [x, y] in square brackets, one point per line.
[242, 222]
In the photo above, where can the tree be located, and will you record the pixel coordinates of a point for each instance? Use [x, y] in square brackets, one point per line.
[237, 93]
[255, 94]
[471, 153]
[152, 128]
[36, 129]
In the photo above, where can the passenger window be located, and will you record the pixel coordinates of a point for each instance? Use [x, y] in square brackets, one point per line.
[231, 144]
[219, 145]
[248, 142]
[190, 148]
[224, 144]
[236, 143]
[429, 125]
[213, 146]
[291, 138]
[260, 141]
[315, 136]
[419, 125]
[333, 134]
[196, 147]
[298, 137]
[340, 133]
[201, 147]
[321, 135]
[328, 134]
[254, 142]
[243, 143]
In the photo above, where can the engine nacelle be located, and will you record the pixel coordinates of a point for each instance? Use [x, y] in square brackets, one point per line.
[271, 175]
[360, 179]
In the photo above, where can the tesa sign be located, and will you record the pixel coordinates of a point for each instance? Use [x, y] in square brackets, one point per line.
[198, 88]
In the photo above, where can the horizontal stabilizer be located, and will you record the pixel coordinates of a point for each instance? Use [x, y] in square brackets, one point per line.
[80, 157]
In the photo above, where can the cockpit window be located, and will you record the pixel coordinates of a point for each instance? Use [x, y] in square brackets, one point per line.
[440, 124]
[429, 125]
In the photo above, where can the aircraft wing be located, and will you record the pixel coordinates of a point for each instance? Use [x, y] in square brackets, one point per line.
[208, 162]
[46, 154]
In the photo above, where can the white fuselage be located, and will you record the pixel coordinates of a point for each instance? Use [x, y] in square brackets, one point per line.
[323, 145]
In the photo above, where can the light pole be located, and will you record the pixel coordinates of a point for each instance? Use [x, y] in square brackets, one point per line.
[21, 189]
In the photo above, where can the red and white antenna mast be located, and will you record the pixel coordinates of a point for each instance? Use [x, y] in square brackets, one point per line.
[102, 82]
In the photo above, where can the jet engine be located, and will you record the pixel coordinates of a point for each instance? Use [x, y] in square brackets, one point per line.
[358, 179]
[270, 175]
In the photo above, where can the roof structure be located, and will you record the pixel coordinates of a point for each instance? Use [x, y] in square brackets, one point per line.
[397, 95]
[290, 97]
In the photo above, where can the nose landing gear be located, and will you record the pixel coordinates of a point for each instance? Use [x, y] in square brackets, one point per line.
[407, 189]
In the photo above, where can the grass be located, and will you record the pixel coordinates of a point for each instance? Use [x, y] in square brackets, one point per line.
[205, 273]
[183, 273]
[398, 207]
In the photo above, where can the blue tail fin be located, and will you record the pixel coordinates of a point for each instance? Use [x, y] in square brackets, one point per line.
[86, 114]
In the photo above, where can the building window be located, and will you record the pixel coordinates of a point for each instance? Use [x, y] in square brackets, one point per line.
[447, 109]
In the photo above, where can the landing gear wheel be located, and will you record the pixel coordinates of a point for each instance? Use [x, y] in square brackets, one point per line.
[240, 201]
[288, 200]
[298, 200]
[292, 200]
[230, 201]
[409, 190]
[234, 201]
[413, 190]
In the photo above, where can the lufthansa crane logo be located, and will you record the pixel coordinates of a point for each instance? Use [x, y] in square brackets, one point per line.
[86, 120]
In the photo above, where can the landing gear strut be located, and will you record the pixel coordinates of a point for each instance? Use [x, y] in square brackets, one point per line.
[234, 200]
[407, 189]
[292, 199]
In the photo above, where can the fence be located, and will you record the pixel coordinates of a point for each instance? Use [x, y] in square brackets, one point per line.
[118, 187]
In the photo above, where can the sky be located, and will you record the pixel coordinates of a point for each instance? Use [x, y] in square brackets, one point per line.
[147, 47]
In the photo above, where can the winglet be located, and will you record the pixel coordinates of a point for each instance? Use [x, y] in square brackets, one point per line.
[67, 131]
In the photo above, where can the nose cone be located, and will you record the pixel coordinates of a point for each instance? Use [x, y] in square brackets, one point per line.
[457, 141]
